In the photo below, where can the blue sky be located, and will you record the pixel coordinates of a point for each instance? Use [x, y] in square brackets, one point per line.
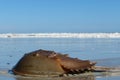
[33, 16]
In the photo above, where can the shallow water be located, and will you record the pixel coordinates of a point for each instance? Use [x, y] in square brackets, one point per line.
[105, 51]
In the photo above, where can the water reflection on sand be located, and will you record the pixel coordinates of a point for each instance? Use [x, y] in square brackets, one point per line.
[88, 77]
[91, 76]
[6, 75]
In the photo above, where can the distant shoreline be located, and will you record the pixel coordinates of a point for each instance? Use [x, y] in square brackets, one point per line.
[60, 35]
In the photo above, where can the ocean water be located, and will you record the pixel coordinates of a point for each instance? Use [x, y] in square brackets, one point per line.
[105, 51]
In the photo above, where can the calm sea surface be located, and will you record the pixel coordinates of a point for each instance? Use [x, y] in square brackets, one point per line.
[105, 51]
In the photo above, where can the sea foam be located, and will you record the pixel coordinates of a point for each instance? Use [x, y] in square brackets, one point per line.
[60, 35]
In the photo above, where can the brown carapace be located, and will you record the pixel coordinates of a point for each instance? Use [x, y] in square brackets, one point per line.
[44, 62]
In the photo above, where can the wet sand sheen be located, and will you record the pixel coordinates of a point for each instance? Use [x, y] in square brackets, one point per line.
[105, 51]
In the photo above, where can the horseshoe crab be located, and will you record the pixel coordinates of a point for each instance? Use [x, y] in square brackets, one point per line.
[44, 62]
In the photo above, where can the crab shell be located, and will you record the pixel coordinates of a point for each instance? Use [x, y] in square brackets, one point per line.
[43, 62]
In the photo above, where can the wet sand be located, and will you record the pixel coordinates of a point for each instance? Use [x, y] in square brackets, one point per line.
[106, 52]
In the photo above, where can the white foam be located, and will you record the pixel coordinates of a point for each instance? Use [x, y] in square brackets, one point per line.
[60, 35]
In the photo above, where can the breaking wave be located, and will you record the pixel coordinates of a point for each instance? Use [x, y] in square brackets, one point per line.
[60, 35]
